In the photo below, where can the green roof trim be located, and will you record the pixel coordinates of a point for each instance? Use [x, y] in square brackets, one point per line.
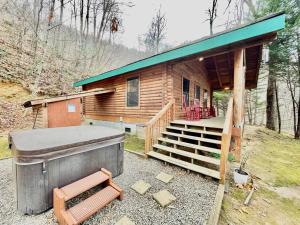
[263, 26]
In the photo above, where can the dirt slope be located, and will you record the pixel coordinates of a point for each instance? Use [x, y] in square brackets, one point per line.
[12, 114]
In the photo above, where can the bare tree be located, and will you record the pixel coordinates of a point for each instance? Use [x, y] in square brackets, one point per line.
[156, 33]
[212, 13]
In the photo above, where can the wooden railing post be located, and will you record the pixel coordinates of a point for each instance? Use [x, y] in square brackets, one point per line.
[226, 140]
[157, 124]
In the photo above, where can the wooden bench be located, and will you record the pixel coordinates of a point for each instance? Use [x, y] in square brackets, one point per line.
[85, 209]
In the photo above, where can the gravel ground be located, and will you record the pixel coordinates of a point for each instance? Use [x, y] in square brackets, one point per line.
[195, 195]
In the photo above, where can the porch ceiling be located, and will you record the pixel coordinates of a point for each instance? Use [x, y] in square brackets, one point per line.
[220, 67]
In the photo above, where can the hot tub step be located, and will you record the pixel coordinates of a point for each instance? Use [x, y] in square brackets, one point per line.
[82, 185]
[85, 209]
[88, 207]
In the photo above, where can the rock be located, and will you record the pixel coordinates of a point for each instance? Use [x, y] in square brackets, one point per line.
[141, 187]
[164, 198]
[166, 178]
[125, 221]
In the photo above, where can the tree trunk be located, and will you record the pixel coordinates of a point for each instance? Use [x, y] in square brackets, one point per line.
[278, 109]
[297, 134]
[81, 21]
[255, 108]
[270, 112]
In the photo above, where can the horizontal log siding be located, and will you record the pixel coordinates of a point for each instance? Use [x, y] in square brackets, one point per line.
[199, 78]
[112, 106]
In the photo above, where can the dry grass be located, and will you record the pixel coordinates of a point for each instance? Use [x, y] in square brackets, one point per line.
[5, 152]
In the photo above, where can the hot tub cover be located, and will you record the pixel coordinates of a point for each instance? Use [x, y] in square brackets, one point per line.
[49, 140]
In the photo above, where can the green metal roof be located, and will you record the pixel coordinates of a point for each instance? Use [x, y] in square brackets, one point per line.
[263, 26]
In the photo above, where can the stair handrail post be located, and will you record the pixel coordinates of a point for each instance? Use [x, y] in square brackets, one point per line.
[226, 140]
[153, 126]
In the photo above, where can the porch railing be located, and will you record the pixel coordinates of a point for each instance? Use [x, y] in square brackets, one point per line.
[158, 124]
[226, 140]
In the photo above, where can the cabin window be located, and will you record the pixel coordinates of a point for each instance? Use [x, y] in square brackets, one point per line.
[197, 92]
[186, 91]
[205, 98]
[132, 91]
[71, 108]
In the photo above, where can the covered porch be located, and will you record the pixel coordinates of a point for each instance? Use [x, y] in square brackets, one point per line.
[203, 145]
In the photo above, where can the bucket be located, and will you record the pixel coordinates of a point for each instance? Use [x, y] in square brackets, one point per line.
[240, 177]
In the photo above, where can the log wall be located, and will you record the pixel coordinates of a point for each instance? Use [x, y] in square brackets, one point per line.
[113, 107]
[178, 72]
[158, 85]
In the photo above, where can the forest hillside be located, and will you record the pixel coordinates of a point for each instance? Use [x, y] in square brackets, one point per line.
[45, 60]
[37, 59]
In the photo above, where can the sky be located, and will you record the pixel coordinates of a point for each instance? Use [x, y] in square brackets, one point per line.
[186, 20]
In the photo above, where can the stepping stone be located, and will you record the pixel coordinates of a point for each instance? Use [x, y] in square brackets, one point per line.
[166, 178]
[125, 221]
[141, 187]
[164, 198]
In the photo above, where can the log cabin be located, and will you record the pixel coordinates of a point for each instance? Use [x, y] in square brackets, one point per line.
[153, 93]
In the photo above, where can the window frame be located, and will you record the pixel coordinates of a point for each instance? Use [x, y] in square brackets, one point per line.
[195, 88]
[71, 108]
[184, 78]
[139, 91]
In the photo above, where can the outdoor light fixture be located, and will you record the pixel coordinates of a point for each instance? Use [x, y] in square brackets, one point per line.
[201, 59]
[226, 88]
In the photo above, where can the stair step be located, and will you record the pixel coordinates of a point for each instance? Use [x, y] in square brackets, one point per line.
[82, 211]
[91, 205]
[84, 184]
[186, 165]
[195, 131]
[192, 137]
[193, 146]
[188, 154]
[210, 124]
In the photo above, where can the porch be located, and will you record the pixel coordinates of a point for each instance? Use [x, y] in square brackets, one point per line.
[216, 122]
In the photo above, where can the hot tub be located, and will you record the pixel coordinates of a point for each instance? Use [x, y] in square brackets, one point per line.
[54, 157]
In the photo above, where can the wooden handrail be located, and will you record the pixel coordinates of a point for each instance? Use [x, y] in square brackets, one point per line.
[158, 124]
[226, 139]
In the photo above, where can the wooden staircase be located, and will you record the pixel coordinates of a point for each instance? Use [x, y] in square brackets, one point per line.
[190, 145]
[85, 209]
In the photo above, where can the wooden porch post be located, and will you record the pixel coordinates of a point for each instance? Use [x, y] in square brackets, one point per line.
[211, 97]
[238, 100]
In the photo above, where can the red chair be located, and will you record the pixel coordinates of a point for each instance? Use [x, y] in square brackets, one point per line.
[206, 114]
[197, 110]
[198, 113]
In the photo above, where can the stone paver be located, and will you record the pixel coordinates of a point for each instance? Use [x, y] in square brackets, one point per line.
[141, 187]
[125, 221]
[164, 177]
[164, 198]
